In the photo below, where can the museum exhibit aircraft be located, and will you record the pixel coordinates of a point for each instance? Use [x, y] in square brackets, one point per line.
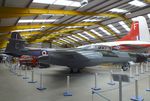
[74, 58]
[138, 39]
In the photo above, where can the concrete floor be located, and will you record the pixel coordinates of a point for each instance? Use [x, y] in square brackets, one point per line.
[14, 88]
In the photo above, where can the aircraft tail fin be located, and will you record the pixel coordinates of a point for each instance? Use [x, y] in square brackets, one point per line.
[139, 31]
[15, 45]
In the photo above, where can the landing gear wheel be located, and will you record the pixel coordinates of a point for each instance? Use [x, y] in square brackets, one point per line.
[74, 70]
[125, 68]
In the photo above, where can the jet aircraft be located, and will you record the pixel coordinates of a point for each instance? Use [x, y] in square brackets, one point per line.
[74, 58]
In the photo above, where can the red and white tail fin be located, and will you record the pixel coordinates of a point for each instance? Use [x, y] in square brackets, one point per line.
[139, 31]
[133, 34]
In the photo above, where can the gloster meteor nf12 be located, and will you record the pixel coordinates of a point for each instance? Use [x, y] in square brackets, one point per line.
[74, 58]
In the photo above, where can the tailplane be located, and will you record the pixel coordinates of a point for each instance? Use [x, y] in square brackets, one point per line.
[139, 31]
[15, 46]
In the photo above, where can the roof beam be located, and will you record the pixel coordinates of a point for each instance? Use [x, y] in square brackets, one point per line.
[147, 1]
[21, 27]
[8, 12]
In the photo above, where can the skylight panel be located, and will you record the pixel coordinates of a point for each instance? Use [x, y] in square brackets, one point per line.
[36, 21]
[57, 42]
[73, 26]
[113, 28]
[117, 10]
[91, 20]
[25, 30]
[69, 40]
[89, 34]
[137, 3]
[96, 33]
[77, 37]
[103, 30]
[124, 26]
[72, 38]
[83, 36]
[65, 40]
[59, 2]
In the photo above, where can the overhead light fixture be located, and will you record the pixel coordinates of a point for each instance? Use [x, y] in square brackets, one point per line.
[59, 2]
[92, 30]
[137, 3]
[26, 30]
[113, 28]
[103, 30]
[124, 26]
[117, 10]
[36, 21]
[83, 36]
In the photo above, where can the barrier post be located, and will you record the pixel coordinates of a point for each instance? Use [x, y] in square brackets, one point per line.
[136, 97]
[25, 75]
[111, 79]
[32, 77]
[142, 69]
[148, 89]
[68, 92]
[96, 88]
[137, 71]
[131, 73]
[41, 88]
[147, 67]
[20, 71]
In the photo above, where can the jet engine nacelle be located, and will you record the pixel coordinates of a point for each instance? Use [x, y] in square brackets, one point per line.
[44, 61]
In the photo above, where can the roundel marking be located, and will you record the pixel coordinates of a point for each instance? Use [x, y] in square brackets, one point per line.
[44, 53]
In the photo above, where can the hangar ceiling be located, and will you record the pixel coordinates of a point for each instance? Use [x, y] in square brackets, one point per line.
[68, 23]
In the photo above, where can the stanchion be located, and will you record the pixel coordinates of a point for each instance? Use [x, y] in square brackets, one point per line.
[96, 88]
[32, 77]
[147, 67]
[122, 72]
[68, 92]
[25, 74]
[120, 88]
[111, 79]
[136, 97]
[14, 69]
[41, 88]
[137, 71]
[19, 71]
[148, 89]
[142, 69]
[131, 73]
